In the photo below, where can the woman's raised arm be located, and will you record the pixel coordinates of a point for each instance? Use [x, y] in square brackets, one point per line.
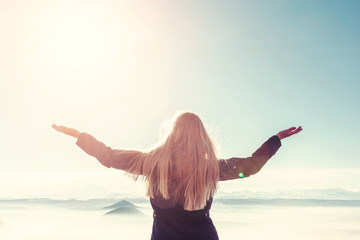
[128, 160]
[234, 168]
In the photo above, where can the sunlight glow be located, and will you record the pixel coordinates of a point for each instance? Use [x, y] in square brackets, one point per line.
[77, 41]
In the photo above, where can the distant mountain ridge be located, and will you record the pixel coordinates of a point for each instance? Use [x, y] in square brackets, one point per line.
[289, 202]
[98, 204]
[328, 193]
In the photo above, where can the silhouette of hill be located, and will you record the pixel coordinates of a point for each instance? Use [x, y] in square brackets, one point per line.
[127, 210]
[122, 203]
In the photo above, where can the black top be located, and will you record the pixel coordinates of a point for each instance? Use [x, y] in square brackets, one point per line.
[175, 223]
[172, 222]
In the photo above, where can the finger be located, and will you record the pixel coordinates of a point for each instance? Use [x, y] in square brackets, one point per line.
[298, 130]
[62, 129]
[55, 127]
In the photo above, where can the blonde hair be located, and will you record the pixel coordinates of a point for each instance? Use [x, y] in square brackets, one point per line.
[185, 163]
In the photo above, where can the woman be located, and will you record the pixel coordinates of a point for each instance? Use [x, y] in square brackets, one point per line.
[181, 174]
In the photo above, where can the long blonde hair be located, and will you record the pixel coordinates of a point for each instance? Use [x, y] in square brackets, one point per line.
[185, 163]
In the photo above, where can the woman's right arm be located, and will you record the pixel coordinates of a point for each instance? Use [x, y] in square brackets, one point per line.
[234, 168]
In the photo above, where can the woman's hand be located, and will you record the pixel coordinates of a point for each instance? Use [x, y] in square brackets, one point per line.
[68, 131]
[288, 132]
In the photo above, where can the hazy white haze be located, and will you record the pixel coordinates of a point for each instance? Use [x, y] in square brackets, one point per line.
[46, 219]
[119, 69]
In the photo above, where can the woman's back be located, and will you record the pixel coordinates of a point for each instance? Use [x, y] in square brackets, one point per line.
[185, 163]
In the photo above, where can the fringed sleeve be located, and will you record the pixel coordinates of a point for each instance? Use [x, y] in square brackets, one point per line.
[234, 168]
[128, 160]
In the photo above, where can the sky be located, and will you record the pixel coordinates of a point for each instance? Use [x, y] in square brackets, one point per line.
[120, 69]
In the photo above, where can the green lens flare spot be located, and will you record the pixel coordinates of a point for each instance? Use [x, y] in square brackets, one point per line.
[241, 175]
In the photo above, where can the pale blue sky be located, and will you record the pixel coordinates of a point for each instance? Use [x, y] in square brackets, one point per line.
[118, 69]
